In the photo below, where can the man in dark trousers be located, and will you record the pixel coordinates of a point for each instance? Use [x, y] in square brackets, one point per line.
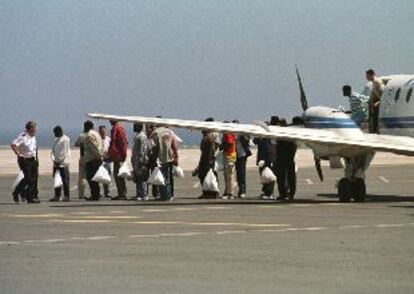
[285, 167]
[25, 148]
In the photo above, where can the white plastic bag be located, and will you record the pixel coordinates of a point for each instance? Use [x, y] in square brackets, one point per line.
[124, 171]
[57, 180]
[178, 172]
[102, 176]
[219, 163]
[210, 182]
[156, 178]
[267, 176]
[19, 178]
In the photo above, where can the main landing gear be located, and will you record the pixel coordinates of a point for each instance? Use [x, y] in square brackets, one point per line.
[352, 188]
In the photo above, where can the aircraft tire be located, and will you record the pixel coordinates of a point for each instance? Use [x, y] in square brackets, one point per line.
[359, 191]
[344, 190]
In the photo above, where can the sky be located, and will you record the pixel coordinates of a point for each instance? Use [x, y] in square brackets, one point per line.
[190, 59]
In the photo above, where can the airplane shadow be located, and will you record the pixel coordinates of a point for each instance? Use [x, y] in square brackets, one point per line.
[376, 198]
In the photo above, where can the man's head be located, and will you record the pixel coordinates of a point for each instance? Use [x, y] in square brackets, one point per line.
[138, 127]
[87, 126]
[346, 90]
[235, 121]
[31, 128]
[113, 122]
[283, 122]
[209, 119]
[102, 131]
[274, 121]
[297, 121]
[58, 131]
[370, 74]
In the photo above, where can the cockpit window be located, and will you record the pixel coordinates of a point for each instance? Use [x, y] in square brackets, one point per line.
[409, 93]
[397, 95]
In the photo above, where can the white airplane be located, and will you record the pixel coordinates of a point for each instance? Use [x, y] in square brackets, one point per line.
[329, 132]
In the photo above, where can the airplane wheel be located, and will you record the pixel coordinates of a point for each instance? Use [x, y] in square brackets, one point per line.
[359, 190]
[344, 190]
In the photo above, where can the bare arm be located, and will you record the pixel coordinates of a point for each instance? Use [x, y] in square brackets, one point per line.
[16, 150]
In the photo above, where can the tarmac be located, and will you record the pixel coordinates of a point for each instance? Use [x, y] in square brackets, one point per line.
[311, 245]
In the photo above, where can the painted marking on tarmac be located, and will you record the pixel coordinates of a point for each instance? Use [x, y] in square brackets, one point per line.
[384, 179]
[353, 227]
[80, 221]
[83, 213]
[117, 211]
[217, 207]
[36, 215]
[95, 217]
[309, 181]
[230, 232]
[207, 224]
[182, 209]
[154, 210]
[189, 234]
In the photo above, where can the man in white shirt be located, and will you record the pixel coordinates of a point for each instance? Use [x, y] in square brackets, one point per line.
[106, 141]
[60, 156]
[374, 100]
[25, 148]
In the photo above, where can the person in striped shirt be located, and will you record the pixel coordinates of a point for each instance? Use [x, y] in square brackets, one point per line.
[358, 104]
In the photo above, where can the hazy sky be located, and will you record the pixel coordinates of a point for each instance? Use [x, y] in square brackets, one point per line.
[190, 59]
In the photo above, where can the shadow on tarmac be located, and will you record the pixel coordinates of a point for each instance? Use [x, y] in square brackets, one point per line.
[376, 198]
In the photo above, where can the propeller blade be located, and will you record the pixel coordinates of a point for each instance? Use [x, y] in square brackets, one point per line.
[303, 99]
[318, 167]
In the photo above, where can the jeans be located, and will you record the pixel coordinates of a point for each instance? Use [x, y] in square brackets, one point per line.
[241, 174]
[64, 173]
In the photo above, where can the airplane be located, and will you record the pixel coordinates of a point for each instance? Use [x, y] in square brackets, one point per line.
[329, 132]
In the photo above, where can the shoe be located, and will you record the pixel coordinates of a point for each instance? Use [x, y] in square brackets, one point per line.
[33, 200]
[140, 199]
[92, 198]
[242, 195]
[172, 198]
[134, 198]
[15, 197]
[282, 198]
[119, 198]
[54, 199]
[65, 199]
[265, 197]
[146, 198]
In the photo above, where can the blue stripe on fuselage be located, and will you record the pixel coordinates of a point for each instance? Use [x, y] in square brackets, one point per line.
[316, 122]
[405, 122]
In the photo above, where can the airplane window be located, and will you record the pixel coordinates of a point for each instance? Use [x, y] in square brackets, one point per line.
[409, 93]
[397, 95]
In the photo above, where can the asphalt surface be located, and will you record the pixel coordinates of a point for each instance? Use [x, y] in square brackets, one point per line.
[312, 245]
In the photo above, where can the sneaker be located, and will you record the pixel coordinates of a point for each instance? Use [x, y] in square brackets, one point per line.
[54, 199]
[33, 200]
[242, 195]
[172, 198]
[282, 198]
[92, 198]
[119, 198]
[15, 197]
[146, 198]
[140, 199]
[265, 197]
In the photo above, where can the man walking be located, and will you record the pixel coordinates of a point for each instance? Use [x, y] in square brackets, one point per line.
[93, 159]
[229, 152]
[25, 148]
[60, 157]
[82, 181]
[118, 154]
[163, 143]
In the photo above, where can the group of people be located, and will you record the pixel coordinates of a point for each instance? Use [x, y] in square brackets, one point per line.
[365, 106]
[154, 147]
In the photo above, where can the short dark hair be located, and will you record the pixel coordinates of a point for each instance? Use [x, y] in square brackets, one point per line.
[274, 120]
[370, 72]
[283, 122]
[87, 126]
[102, 127]
[30, 125]
[209, 119]
[58, 131]
[347, 88]
[235, 121]
[138, 127]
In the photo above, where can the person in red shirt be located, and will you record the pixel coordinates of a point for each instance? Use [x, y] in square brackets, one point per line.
[117, 154]
[229, 152]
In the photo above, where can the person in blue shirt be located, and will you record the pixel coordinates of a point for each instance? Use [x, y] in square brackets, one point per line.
[358, 104]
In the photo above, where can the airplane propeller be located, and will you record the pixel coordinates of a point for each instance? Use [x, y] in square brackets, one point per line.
[304, 103]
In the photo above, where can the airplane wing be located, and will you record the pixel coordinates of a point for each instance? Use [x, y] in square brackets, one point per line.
[369, 142]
